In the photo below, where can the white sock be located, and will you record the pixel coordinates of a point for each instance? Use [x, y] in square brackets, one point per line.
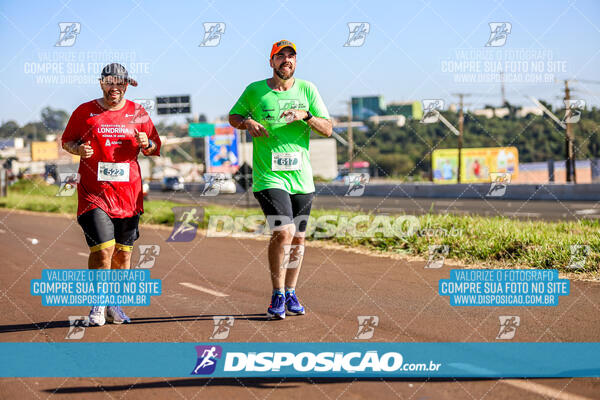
[101, 309]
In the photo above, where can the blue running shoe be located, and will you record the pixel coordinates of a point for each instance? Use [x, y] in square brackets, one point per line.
[292, 305]
[116, 315]
[277, 307]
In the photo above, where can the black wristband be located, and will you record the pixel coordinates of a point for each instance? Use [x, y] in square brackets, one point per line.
[308, 116]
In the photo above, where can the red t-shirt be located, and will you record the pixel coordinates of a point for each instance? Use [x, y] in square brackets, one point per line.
[112, 137]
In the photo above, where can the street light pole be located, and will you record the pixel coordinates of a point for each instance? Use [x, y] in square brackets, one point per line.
[461, 120]
[350, 139]
[569, 141]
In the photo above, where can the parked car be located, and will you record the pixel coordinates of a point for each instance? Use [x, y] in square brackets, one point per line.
[172, 184]
[218, 183]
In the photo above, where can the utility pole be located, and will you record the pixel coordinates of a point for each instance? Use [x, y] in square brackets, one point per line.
[461, 123]
[350, 138]
[502, 88]
[569, 140]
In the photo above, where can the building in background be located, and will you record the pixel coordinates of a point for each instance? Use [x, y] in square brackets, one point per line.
[587, 171]
[367, 106]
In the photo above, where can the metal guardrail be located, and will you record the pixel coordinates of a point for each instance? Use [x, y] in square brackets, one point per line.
[553, 192]
[566, 192]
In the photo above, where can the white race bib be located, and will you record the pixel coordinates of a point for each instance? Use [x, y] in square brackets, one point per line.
[286, 161]
[113, 172]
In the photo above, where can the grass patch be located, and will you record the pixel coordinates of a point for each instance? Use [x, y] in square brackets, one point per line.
[487, 241]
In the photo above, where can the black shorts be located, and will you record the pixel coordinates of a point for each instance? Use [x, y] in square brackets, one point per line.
[282, 208]
[102, 231]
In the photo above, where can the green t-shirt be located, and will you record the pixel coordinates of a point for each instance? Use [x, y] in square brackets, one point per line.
[281, 161]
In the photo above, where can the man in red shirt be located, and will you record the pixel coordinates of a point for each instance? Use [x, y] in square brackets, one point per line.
[108, 133]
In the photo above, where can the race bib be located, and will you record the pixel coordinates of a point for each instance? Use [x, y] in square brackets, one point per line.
[113, 172]
[286, 161]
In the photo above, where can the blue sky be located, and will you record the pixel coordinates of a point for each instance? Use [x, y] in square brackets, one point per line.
[402, 58]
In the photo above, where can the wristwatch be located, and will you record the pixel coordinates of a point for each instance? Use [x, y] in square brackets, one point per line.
[150, 144]
[308, 116]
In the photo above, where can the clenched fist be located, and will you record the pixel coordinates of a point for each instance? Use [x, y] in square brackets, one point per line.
[85, 150]
[141, 138]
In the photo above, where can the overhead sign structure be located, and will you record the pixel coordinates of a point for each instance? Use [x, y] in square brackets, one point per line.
[223, 150]
[477, 164]
[166, 105]
[201, 129]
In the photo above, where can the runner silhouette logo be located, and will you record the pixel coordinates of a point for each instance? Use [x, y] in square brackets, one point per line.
[207, 359]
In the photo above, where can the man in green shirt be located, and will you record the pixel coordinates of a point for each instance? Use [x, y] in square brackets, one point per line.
[279, 114]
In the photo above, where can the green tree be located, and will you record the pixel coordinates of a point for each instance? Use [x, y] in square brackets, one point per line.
[55, 120]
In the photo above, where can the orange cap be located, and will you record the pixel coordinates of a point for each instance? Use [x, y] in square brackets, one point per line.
[277, 46]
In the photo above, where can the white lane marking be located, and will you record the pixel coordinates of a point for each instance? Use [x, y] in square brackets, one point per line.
[543, 390]
[522, 214]
[587, 211]
[2, 231]
[203, 289]
[83, 254]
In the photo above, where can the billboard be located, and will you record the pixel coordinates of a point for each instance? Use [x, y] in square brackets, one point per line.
[222, 150]
[477, 164]
[43, 151]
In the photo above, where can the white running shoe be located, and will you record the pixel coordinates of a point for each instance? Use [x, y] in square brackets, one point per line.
[97, 316]
[116, 315]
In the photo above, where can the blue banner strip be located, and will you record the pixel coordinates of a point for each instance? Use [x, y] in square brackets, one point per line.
[495, 360]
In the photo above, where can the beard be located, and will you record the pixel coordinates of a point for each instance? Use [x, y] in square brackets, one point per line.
[285, 75]
[110, 100]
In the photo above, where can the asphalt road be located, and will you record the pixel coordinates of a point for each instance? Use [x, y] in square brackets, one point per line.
[336, 286]
[545, 210]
